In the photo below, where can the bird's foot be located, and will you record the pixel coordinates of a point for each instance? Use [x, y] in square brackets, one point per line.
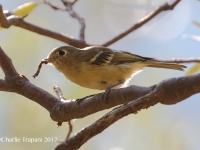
[105, 94]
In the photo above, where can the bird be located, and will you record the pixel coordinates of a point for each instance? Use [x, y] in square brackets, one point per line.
[102, 68]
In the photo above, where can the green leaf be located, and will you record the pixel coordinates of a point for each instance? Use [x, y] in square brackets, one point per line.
[23, 10]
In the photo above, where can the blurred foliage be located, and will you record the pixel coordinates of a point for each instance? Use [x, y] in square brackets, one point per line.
[197, 24]
[24, 9]
[196, 67]
[193, 69]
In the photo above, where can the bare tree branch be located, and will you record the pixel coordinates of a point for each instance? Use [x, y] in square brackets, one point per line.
[74, 2]
[176, 60]
[6, 65]
[19, 84]
[54, 6]
[70, 40]
[70, 129]
[18, 21]
[170, 91]
[3, 21]
[61, 111]
[61, 97]
[59, 93]
[79, 18]
[165, 92]
[69, 8]
[146, 19]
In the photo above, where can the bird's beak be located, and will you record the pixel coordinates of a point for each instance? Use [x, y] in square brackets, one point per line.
[48, 60]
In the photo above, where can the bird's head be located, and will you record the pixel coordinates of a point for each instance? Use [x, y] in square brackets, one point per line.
[60, 55]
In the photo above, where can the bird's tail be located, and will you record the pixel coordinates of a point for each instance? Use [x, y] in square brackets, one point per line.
[166, 65]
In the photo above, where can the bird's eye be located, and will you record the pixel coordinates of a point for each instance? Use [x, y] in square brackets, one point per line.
[61, 52]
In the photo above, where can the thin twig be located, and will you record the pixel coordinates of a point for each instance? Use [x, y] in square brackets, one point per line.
[69, 8]
[79, 18]
[70, 129]
[18, 21]
[59, 92]
[146, 19]
[7, 13]
[54, 6]
[177, 60]
[61, 97]
[80, 43]
[74, 2]
[192, 37]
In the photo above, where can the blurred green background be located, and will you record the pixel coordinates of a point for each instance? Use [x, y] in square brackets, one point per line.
[163, 127]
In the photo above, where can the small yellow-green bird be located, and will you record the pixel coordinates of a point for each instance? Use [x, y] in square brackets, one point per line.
[101, 68]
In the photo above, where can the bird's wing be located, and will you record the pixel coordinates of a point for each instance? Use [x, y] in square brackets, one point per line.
[97, 55]
[127, 57]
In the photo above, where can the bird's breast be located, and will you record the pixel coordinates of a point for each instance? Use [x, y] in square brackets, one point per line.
[99, 77]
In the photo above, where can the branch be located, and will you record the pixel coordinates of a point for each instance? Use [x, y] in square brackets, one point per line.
[167, 92]
[54, 6]
[69, 8]
[175, 60]
[79, 18]
[61, 110]
[3, 21]
[59, 93]
[70, 129]
[6, 65]
[170, 91]
[61, 97]
[146, 19]
[17, 83]
[18, 21]
[97, 127]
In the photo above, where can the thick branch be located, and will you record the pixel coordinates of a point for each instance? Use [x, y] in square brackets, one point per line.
[146, 19]
[61, 111]
[19, 84]
[3, 21]
[167, 92]
[97, 127]
[6, 65]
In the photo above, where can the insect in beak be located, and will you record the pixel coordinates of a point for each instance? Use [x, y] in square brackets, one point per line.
[44, 61]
